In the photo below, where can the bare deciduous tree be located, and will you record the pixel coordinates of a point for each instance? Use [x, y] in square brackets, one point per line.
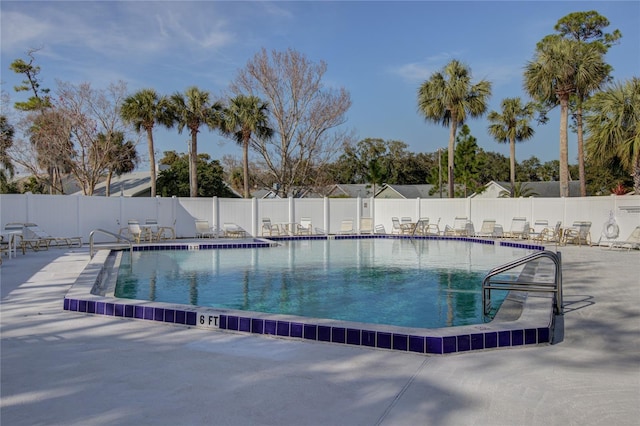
[95, 124]
[305, 115]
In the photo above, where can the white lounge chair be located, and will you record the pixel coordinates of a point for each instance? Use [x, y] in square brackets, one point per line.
[268, 228]
[579, 233]
[487, 229]
[231, 230]
[162, 232]
[395, 226]
[157, 232]
[537, 228]
[550, 234]
[632, 242]
[380, 229]
[434, 228]
[346, 226]
[366, 225]
[459, 226]
[422, 226]
[33, 231]
[136, 232]
[519, 228]
[304, 227]
[24, 239]
[203, 230]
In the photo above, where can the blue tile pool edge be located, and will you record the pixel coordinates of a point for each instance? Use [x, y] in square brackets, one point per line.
[535, 325]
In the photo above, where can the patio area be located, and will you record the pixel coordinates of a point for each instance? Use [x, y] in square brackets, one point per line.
[60, 367]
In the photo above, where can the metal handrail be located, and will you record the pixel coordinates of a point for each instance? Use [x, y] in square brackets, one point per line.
[117, 236]
[556, 287]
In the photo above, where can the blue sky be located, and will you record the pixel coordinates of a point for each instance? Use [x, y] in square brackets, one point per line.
[379, 51]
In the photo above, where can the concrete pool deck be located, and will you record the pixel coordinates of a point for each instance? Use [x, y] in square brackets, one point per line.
[61, 367]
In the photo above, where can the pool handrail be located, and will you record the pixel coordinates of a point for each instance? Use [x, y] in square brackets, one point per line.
[489, 284]
[104, 231]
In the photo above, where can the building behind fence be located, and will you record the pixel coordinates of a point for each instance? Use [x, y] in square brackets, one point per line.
[79, 215]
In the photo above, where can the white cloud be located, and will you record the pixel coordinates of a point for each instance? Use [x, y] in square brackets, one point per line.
[20, 30]
[417, 72]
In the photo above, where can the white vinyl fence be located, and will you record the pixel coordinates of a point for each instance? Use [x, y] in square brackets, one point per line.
[68, 215]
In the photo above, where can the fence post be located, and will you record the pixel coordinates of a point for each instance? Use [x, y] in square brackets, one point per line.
[254, 217]
[79, 221]
[292, 210]
[327, 222]
[358, 214]
[215, 213]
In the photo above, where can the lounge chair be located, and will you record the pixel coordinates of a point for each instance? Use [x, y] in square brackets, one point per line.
[5, 246]
[380, 229]
[268, 228]
[25, 241]
[422, 226]
[346, 226]
[537, 228]
[366, 225]
[136, 232]
[632, 242]
[434, 228]
[395, 227]
[519, 228]
[158, 232]
[203, 230]
[33, 232]
[579, 233]
[304, 227]
[231, 230]
[459, 226]
[487, 229]
[550, 234]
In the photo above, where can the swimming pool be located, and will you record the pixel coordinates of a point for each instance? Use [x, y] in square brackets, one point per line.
[399, 282]
[522, 320]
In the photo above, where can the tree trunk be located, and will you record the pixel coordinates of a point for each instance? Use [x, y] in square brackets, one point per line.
[636, 176]
[108, 182]
[152, 161]
[245, 166]
[581, 170]
[193, 164]
[452, 142]
[512, 163]
[564, 151]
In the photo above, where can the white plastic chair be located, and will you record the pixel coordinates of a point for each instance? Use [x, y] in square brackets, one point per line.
[304, 227]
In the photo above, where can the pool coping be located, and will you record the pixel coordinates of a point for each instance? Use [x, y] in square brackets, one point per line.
[534, 325]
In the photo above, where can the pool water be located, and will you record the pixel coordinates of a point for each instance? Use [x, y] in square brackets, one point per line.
[409, 283]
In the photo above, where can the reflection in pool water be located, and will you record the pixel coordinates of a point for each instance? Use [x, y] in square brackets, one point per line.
[411, 283]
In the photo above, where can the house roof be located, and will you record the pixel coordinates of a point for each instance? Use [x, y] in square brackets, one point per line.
[352, 190]
[134, 184]
[409, 191]
[543, 189]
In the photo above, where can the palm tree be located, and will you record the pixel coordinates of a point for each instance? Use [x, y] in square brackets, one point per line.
[122, 156]
[517, 190]
[613, 125]
[592, 73]
[243, 117]
[448, 97]
[512, 126]
[193, 109]
[550, 79]
[143, 110]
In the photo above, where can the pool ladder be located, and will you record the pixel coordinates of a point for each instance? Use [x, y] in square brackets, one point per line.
[491, 282]
[118, 238]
